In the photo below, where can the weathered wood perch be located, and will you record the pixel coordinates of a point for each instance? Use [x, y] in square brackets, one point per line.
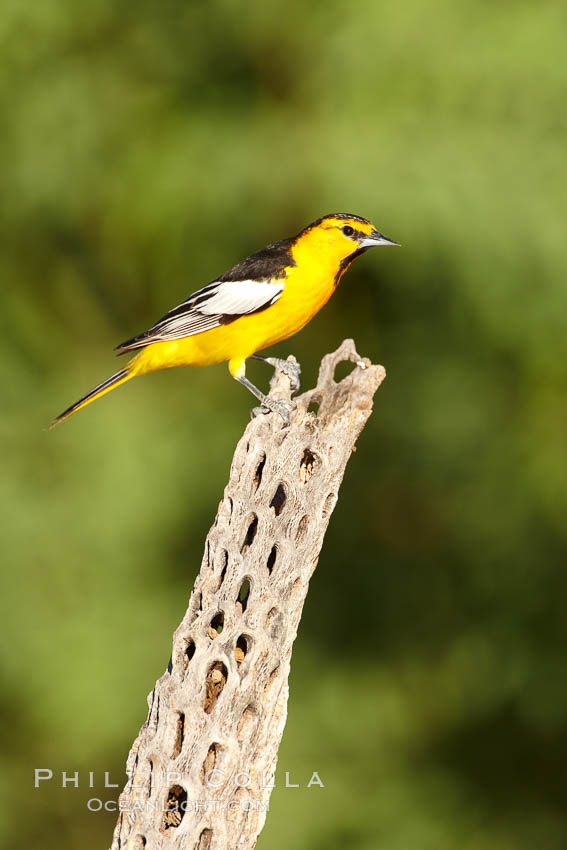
[199, 772]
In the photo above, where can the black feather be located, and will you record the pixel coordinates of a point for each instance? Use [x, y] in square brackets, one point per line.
[269, 263]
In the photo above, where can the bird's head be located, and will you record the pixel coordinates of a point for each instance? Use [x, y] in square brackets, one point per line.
[343, 236]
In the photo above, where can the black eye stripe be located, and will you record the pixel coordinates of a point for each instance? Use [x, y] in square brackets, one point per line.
[352, 233]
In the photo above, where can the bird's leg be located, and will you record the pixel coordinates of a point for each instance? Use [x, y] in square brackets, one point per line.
[237, 368]
[292, 370]
[268, 404]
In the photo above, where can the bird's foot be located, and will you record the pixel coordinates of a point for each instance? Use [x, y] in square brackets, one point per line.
[274, 405]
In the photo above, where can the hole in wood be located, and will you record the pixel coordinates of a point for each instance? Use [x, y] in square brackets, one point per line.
[151, 777]
[274, 676]
[205, 840]
[313, 407]
[174, 807]
[307, 465]
[301, 532]
[328, 505]
[189, 651]
[241, 648]
[270, 563]
[217, 624]
[279, 500]
[273, 622]
[214, 683]
[250, 533]
[230, 506]
[222, 561]
[343, 370]
[294, 588]
[246, 722]
[179, 734]
[243, 595]
[139, 842]
[209, 763]
[259, 472]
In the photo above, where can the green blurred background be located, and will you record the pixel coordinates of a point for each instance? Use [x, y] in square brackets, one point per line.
[147, 147]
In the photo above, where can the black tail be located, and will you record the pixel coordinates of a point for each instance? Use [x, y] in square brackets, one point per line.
[103, 388]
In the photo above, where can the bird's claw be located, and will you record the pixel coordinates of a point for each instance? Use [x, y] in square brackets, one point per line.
[273, 405]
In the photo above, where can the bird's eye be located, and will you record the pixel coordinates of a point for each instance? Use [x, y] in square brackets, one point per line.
[348, 230]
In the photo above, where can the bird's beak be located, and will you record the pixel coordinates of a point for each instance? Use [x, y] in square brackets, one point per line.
[373, 239]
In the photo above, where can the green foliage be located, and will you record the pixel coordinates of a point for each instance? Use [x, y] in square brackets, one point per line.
[146, 148]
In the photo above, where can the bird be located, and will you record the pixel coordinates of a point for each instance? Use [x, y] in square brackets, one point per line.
[266, 298]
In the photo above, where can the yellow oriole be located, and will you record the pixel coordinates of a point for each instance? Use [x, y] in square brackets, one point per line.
[266, 298]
